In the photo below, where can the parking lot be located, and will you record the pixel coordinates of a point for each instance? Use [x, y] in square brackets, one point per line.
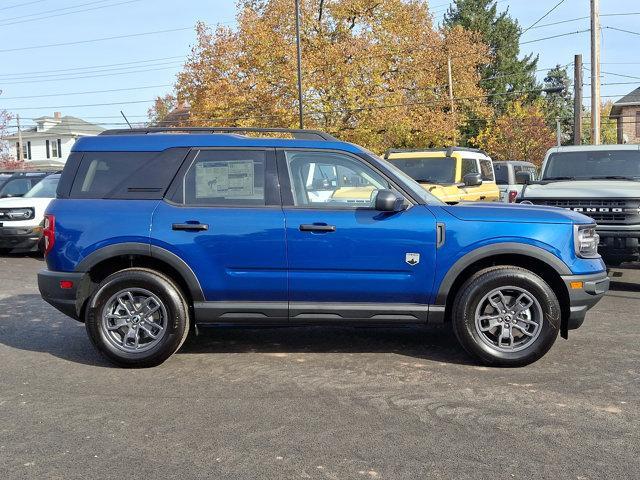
[331, 403]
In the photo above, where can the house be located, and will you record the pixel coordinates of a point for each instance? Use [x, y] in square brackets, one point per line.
[52, 137]
[626, 112]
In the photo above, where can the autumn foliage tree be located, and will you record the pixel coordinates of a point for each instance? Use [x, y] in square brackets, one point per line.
[7, 160]
[521, 133]
[375, 72]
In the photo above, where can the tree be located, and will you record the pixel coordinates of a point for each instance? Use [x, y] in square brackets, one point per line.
[504, 72]
[608, 126]
[559, 105]
[375, 71]
[162, 107]
[521, 133]
[7, 160]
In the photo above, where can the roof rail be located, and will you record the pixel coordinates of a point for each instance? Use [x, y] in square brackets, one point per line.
[298, 134]
[449, 150]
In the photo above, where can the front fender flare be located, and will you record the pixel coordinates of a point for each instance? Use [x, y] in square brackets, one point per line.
[502, 248]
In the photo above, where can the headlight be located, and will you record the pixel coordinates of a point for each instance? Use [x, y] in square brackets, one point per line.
[17, 214]
[586, 241]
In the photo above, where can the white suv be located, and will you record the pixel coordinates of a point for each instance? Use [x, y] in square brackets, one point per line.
[21, 218]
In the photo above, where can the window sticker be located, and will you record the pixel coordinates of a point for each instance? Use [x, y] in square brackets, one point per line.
[225, 179]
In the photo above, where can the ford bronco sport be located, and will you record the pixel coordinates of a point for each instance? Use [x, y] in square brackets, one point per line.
[453, 174]
[157, 232]
[602, 182]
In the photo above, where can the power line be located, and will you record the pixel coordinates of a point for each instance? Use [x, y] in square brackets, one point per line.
[64, 44]
[84, 93]
[94, 66]
[543, 17]
[577, 19]
[83, 105]
[21, 5]
[555, 36]
[63, 76]
[4, 24]
[89, 76]
[623, 30]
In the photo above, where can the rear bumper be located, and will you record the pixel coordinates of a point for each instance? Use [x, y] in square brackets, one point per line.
[583, 298]
[20, 238]
[63, 299]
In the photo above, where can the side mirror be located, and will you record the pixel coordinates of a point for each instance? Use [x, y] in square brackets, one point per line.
[472, 179]
[524, 178]
[388, 201]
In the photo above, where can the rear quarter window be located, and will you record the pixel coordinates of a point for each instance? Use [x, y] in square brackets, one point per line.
[126, 175]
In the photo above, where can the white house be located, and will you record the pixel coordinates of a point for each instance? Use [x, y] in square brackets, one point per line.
[52, 137]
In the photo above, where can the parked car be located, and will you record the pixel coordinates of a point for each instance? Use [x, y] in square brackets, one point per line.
[153, 233]
[602, 182]
[506, 173]
[453, 174]
[21, 218]
[19, 183]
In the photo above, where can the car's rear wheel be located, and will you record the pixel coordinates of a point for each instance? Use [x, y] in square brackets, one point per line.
[506, 316]
[137, 318]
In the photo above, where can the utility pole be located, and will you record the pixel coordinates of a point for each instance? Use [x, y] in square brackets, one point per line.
[595, 72]
[20, 148]
[300, 112]
[453, 105]
[577, 100]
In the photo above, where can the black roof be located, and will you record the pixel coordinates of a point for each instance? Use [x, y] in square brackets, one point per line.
[297, 133]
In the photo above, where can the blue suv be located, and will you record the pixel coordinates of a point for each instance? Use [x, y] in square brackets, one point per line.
[157, 232]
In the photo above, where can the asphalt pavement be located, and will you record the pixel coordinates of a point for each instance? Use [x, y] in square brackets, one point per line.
[326, 403]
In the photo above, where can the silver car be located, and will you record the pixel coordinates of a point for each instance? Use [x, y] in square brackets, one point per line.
[506, 173]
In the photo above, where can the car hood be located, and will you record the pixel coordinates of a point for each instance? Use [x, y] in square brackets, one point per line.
[513, 213]
[584, 189]
[21, 202]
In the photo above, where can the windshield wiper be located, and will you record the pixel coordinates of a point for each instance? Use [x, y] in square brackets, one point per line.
[614, 177]
[553, 179]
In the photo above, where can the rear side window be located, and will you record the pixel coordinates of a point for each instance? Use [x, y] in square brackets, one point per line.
[126, 175]
[224, 178]
[486, 170]
[18, 186]
[502, 174]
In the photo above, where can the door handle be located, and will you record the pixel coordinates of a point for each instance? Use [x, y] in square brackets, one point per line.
[317, 227]
[190, 227]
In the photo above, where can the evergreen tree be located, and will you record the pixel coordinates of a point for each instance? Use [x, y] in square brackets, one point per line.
[505, 72]
[559, 105]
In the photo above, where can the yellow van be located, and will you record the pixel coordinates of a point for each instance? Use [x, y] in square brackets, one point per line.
[452, 174]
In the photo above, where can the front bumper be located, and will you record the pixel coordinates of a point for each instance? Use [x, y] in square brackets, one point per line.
[584, 292]
[20, 238]
[622, 244]
[66, 300]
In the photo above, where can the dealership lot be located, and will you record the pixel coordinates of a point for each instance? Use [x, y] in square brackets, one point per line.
[316, 403]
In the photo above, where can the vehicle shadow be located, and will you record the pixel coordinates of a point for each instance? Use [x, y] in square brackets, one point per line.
[625, 278]
[28, 323]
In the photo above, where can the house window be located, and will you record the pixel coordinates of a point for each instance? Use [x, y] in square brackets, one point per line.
[638, 124]
[26, 150]
[54, 149]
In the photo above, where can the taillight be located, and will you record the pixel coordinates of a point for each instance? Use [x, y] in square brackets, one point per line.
[512, 195]
[49, 233]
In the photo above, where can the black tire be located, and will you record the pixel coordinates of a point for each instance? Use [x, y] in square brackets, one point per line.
[174, 304]
[483, 283]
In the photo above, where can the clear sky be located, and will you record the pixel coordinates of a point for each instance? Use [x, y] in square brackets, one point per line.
[55, 74]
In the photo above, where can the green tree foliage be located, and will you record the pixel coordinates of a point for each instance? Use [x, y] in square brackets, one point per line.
[559, 105]
[505, 72]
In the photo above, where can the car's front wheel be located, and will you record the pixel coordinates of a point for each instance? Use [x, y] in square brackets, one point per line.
[137, 318]
[506, 316]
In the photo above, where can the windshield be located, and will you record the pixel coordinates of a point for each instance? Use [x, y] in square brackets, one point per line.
[428, 170]
[45, 189]
[598, 164]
